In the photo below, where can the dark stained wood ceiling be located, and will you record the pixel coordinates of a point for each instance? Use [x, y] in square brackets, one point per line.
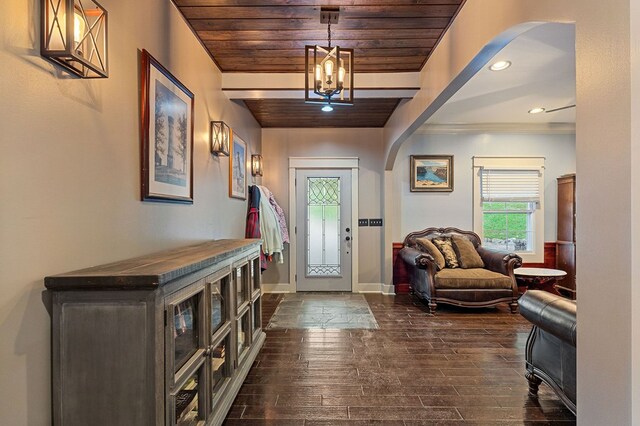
[270, 35]
[265, 36]
[367, 112]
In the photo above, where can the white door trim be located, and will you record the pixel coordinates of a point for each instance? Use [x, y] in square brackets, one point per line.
[296, 163]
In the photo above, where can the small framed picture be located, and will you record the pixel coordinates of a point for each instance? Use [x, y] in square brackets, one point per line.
[238, 168]
[431, 173]
[166, 135]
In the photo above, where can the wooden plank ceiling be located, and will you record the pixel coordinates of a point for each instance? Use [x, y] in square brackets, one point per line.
[366, 112]
[270, 35]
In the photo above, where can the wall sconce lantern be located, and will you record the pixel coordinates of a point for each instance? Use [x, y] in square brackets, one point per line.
[329, 70]
[74, 35]
[220, 137]
[256, 165]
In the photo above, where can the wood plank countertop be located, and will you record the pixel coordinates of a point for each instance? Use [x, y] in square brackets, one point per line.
[152, 270]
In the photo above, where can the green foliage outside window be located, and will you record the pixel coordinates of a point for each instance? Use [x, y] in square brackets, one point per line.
[504, 220]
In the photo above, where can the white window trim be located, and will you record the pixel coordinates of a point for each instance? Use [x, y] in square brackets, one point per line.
[511, 163]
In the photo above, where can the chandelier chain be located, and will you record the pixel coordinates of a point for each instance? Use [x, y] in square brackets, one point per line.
[329, 33]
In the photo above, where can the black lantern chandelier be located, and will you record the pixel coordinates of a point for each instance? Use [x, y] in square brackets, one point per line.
[329, 70]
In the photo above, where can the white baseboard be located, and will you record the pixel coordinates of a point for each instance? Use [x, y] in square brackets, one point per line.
[374, 288]
[389, 289]
[367, 288]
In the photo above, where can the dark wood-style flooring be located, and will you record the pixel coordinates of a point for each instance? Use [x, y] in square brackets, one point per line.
[459, 367]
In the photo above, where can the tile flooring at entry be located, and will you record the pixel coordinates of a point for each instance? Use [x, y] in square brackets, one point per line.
[459, 367]
[323, 310]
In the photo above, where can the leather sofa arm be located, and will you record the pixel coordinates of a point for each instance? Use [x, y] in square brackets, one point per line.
[502, 262]
[421, 267]
[552, 313]
[416, 257]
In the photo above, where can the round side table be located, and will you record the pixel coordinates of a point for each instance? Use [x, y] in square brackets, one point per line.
[539, 279]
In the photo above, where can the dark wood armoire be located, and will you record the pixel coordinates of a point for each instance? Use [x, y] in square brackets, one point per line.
[566, 240]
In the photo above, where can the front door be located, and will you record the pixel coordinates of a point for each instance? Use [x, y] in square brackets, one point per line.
[323, 200]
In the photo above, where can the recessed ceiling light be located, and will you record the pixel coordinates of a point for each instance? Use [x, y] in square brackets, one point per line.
[327, 108]
[536, 110]
[500, 65]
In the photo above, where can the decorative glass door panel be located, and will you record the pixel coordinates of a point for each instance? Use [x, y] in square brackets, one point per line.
[323, 227]
[323, 199]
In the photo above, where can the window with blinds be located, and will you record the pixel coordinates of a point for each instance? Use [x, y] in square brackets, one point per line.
[510, 185]
[510, 195]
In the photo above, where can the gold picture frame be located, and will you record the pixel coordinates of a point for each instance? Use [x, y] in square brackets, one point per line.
[431, 173]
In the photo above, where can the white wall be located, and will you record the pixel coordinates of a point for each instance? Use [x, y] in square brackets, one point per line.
[634, 357]
[366, 144]
[419, 210]
[70, 169]
[608, 213]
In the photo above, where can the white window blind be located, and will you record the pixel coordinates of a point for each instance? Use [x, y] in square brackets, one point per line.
[510, 185]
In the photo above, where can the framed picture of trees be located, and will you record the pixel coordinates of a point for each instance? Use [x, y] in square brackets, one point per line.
[166, 134]
[238, 168]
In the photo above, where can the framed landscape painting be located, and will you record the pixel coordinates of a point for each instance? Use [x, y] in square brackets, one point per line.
[431, 173]
[166, 135]
[238, 168]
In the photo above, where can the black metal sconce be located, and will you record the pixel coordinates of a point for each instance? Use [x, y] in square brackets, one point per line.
[256, 165]
[220, 137]
[74, 35]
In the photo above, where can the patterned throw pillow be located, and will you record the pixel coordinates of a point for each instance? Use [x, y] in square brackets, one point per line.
[427, 246]
[446, 248]
[468, 257]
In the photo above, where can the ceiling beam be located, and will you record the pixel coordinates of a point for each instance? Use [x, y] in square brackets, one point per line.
[291, 85]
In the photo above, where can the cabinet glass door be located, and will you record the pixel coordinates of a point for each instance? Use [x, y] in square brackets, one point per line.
[257, 317]
[220, 368]
[255, 274]
[244, 334]
[241, 276]
[187, 402]
[186, 329]
[219, 291]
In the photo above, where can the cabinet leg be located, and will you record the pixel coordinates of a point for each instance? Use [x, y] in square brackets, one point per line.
[432, 307]
[514, 307]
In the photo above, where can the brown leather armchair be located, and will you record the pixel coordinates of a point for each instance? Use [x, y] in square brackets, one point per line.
[550, 353]
[475, 288]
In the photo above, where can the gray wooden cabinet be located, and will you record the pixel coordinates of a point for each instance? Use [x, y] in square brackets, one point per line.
[163, 339]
